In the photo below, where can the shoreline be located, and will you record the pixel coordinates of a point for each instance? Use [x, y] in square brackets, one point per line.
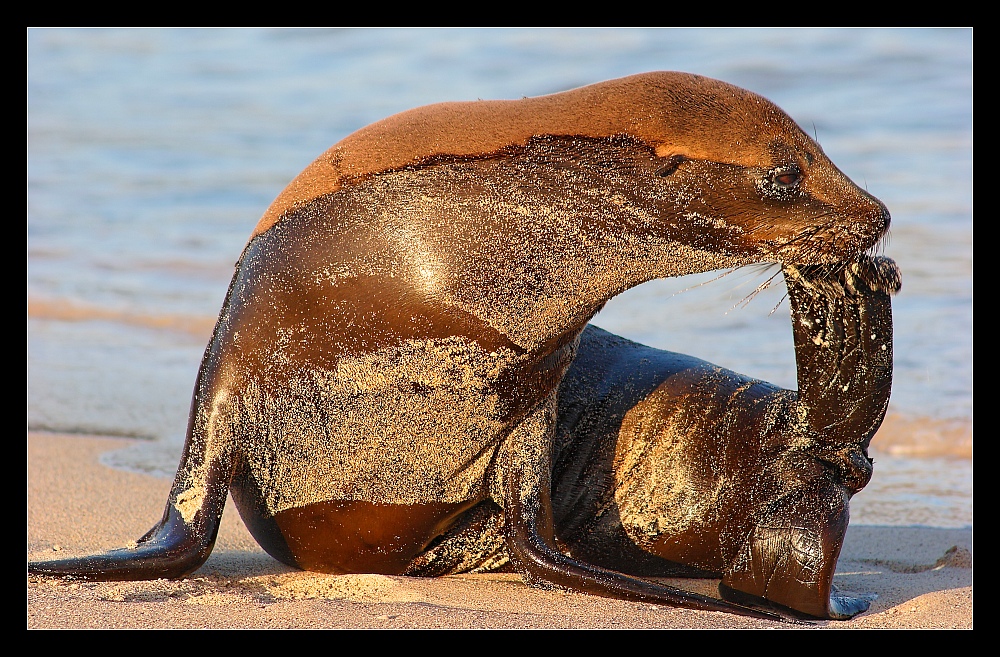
[77, 505]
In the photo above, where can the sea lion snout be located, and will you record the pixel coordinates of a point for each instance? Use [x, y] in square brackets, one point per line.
[857, 219]
[881, 216]
[871, 214]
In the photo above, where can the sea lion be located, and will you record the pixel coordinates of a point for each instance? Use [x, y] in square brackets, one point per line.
[664, 464]
[389, 352]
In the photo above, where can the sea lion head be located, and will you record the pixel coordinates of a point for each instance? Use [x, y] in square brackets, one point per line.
[728, 170]
[734, 157]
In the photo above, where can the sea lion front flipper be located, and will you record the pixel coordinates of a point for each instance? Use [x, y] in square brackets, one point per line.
[183, 539]
[170, 550]
[178, 545]
[525, 466]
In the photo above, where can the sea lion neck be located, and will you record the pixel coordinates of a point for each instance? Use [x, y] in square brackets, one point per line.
[531, 243]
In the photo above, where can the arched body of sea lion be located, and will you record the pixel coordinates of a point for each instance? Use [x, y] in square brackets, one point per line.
[389, 353]
[664, 464]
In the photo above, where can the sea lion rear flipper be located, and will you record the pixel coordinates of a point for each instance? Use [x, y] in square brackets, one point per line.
[791, 554]
[842, 323]
[526, 469]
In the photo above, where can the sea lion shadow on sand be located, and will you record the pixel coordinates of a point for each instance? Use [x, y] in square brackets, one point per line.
[385, 372]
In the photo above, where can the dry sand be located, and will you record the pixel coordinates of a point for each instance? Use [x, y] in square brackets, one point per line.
[923, 576]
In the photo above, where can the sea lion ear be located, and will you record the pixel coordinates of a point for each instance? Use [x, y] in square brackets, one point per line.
[670, 165]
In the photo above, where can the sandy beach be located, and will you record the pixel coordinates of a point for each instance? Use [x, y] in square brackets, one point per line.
[76, 505]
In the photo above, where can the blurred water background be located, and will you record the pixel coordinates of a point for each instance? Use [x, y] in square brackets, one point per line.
[153, 152]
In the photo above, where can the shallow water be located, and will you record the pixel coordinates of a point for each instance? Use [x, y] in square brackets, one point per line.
[152, 153]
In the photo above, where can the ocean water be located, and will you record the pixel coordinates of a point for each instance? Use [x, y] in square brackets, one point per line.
[152, 153]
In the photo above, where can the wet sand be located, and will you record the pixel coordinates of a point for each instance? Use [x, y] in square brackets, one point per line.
[76, 505]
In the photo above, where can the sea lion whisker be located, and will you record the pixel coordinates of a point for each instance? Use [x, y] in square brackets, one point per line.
[778, 304]
[717, 277]
[882, 244]
[745, 301]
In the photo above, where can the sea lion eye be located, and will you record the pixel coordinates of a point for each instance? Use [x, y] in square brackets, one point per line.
[786, 177]
[781, 183]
